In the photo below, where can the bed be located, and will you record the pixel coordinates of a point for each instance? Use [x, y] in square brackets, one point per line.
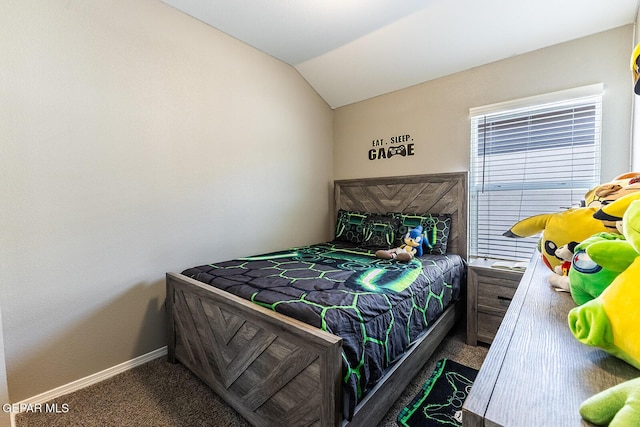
[275, 369]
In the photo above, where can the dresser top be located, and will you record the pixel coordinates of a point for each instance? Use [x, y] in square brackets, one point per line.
[536, 371]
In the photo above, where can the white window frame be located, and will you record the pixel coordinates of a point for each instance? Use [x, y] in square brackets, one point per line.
[488, 218]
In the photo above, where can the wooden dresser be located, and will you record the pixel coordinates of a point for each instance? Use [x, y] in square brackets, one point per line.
[536, 372]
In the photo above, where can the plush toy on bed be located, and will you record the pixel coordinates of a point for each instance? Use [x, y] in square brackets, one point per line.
[558, 229]
[611, 320]
[414, 240]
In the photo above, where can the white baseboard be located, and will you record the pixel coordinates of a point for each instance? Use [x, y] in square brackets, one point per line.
[87, 381]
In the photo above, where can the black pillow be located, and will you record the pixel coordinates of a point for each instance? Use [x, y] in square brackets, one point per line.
[380, 231]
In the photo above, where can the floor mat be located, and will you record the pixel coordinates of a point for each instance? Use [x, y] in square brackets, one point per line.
[439, 403]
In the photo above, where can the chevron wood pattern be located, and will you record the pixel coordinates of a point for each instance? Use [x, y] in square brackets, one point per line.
[270, 374]
[435, 193]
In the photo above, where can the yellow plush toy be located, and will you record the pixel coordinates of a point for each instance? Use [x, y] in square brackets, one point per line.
[611, 321]
[624, 185]
[558, 229]
[614, 212]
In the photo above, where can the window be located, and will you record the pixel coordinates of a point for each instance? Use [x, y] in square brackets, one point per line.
[528, 157]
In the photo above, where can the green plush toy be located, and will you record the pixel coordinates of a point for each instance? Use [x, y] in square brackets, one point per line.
[612, 321]
[618, 406]
[587, 278]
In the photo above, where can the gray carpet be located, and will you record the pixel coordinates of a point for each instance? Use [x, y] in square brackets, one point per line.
[161, 394]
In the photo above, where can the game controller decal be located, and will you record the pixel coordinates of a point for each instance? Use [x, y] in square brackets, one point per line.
[400, 149]
[395, 146]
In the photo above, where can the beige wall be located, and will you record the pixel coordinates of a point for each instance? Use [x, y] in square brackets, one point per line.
[435, 114]
[137, 140]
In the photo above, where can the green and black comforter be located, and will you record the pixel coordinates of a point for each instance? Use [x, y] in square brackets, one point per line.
[378, 307]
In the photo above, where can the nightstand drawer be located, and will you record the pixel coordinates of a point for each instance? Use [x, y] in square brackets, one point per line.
[494, 297]
[502, 279]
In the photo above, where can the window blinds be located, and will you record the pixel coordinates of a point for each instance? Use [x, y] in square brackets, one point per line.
[526, 161]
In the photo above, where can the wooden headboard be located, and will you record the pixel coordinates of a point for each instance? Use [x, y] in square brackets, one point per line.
[444, 193]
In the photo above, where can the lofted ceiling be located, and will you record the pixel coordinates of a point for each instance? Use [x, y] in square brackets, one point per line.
[351, 50]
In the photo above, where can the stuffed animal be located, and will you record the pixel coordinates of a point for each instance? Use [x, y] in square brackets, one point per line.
[608, 192]
[588, 279]
[584, 278]
[560, 279]
[616, 406]
[614, 212]
[611, 320]
[565, 253]
[558, 229]
[414, 240]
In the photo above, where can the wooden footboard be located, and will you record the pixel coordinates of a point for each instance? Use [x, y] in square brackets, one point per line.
[272, 369]
[275, 370]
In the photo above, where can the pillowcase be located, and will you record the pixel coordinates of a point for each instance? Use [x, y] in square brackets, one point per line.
[436, 229]
[380, 231]
[366, 229]
[350, 226]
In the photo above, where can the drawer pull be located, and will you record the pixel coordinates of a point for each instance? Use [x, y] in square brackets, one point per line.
[504, 298]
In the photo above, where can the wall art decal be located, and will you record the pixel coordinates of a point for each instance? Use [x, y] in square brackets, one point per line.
[401, 145]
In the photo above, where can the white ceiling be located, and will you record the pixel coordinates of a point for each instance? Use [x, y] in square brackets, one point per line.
[351, 50]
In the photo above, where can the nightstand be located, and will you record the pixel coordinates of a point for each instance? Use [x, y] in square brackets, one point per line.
[489, 293]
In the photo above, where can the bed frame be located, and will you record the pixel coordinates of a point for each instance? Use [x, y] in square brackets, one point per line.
[275, 370]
